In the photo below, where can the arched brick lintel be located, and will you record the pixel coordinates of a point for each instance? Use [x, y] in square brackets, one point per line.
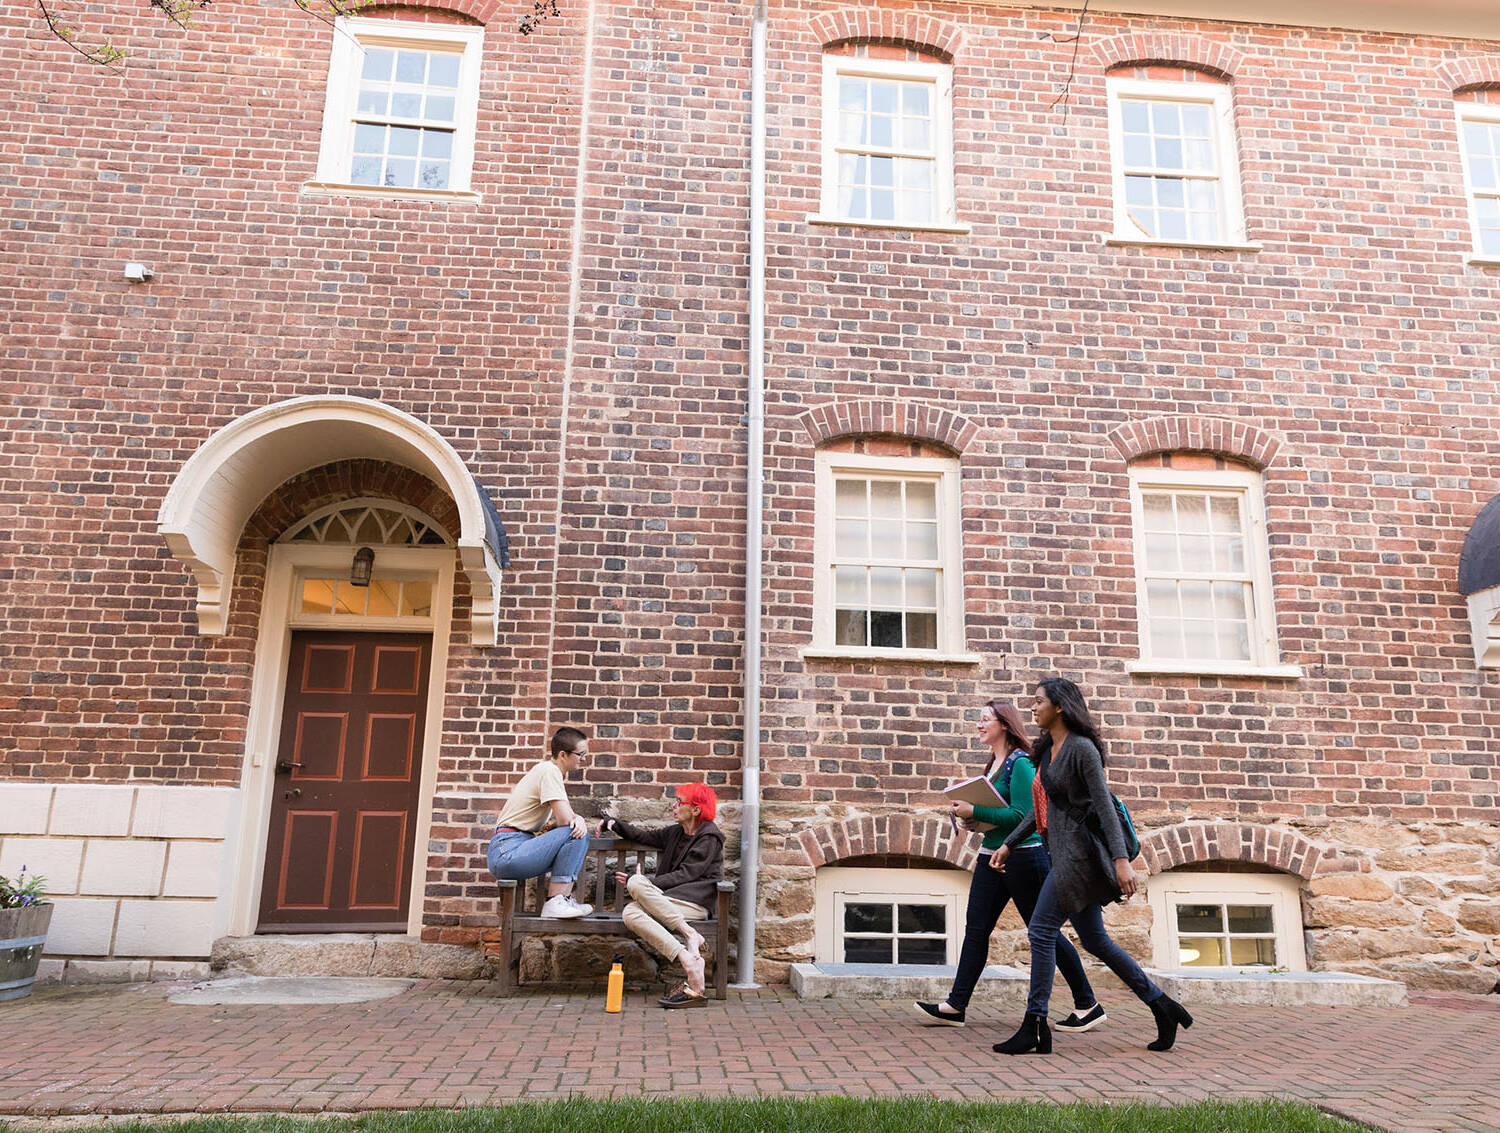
[1478, 73]
[837, 419]
[917, 836]
[1188, 433]
[1191, 842]
[910, 29]
[1170, 50]
[480, 11]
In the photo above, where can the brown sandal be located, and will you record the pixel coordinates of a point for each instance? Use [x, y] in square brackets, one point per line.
[681, 997]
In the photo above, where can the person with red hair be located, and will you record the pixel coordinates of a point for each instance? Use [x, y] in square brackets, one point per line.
[689, 865]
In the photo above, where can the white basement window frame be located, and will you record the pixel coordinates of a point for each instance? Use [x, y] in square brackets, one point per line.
[1175, 164]
[908, 582]
[1479, 143]
[850, 902]
[887, 144]
[393, 87]
[1207, 548]
[1226, 921]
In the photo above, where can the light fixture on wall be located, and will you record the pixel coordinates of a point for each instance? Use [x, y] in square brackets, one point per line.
[362, 567]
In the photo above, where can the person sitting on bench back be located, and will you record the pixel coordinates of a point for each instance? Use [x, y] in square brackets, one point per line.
[688, 870]
[538, 831]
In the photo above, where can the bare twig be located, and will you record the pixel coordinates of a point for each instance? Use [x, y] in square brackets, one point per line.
[104, 54]
[1074, 39]
[540, 10]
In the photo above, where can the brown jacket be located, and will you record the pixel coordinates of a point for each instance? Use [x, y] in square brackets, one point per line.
[689, 866]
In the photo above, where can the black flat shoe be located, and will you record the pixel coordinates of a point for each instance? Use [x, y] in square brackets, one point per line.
[1076, 1024]
[931, 1014]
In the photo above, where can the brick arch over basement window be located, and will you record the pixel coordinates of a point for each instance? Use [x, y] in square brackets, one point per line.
[915, 836]
[1222, 435]
[1167, 50]
[455, 11]
[837, 419]
[1479, 73]
[1272, 846]
[908, 29]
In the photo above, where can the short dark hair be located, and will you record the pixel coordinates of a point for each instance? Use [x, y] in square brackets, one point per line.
[565, 741]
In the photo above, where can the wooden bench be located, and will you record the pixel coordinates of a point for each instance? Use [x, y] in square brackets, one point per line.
[521, 902]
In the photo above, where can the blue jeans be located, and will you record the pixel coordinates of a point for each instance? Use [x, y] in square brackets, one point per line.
[1025, 870]
[1043, 932]
[515, 855]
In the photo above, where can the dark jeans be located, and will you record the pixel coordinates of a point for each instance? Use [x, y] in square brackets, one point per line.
[1025, 870]
[1043, 931]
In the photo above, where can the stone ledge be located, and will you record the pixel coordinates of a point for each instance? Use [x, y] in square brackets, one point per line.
[346, 954]
[1002, 984]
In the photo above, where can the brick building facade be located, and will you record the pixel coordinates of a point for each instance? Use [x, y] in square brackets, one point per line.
[1017, 376]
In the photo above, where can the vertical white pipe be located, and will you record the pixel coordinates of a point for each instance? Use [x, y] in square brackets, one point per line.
[755, 475]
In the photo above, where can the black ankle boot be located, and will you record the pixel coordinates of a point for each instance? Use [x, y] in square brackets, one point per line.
[1033, 1035]
[1169, 1014]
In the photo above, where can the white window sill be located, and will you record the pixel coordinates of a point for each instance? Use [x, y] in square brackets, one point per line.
[890, 225]
[1483, 261]
[910, 656]
[1213, 669]
[380, 192]
[1199, 245]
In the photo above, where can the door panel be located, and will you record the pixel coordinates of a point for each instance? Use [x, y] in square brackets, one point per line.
[343, 813]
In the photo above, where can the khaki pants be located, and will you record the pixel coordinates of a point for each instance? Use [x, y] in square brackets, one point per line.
[654, 917]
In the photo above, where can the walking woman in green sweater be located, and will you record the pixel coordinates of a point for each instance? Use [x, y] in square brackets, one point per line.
[1010, 770]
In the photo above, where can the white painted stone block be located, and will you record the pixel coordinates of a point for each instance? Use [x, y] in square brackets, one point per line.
[55, 859]
[165, 927]
[121, 867]
[23, 808]
[49, 971]
[81, 926]
[107, 971]
[183, 812]
[194, 869]
[91, 809]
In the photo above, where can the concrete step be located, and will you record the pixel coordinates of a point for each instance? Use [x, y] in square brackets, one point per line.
[346, 954]
[1007, 986]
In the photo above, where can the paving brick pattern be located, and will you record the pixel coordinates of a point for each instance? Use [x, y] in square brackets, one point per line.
[1430, 1066]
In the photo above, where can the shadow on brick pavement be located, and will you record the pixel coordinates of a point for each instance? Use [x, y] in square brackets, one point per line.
[111, 1050]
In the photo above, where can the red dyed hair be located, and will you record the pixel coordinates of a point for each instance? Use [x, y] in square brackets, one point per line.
[702, 796]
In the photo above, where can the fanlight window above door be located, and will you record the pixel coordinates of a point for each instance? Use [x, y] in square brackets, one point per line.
[366, 522]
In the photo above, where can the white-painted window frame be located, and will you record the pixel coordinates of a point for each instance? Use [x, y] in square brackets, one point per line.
[1282, 892]
[836, 886]
[940, 76]
[1219, 97]
[351, 35]
[1265, 655]
[1488, 113]
[944, 473]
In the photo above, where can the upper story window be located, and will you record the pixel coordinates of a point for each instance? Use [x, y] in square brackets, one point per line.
[401, 108]
[1203, 572]
[887, 139]
[1479, 134]
[1176, 173]
[888, 557]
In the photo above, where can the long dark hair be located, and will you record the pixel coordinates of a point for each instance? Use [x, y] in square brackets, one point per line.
[1015, 729]
[1068, 699]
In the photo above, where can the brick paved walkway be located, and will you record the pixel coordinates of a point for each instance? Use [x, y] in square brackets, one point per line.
[73, 1050]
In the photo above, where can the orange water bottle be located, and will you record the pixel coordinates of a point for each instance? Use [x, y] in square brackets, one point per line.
[616, 993]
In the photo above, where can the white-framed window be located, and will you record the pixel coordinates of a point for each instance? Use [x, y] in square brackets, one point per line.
[887, 142]
[1479, 138]
[401, 108]
[1175, 163]
[1203, 574]
[889, 566]
[1226, 920]
[888, 916]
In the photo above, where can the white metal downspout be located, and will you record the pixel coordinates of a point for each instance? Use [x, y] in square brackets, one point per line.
[755, 474]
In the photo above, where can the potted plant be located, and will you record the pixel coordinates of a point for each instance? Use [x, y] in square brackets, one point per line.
[25, 914]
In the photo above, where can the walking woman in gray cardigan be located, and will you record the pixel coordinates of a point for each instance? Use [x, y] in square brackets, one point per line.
[1073, 810]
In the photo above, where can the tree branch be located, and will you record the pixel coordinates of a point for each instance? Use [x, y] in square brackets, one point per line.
[103, 55]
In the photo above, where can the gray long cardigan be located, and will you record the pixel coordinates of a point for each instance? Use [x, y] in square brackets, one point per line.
[1082, 874]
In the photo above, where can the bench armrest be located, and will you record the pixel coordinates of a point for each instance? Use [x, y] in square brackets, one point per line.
[726, 887]
[499, 884]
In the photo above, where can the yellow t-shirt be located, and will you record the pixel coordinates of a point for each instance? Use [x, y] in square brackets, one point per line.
[529, 805]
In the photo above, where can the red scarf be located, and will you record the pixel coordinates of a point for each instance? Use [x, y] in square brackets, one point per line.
[1039, 803]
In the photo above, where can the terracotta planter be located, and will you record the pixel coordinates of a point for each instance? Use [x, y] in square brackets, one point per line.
[22, 932]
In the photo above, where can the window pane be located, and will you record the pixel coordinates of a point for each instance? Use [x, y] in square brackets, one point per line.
[1137, 153]
[921, 500]
[369, 139]
[885, 629]
[1156, 509]
[411, 66]
[880, 131]
[400, 173]
[914, 175]
[1161, 600]
[916, 134]
[1250, 919]
[1198, 640]
[1234, 641]
[922, 541]
[439, 108]
[433, 175]
[1166, 638]
[406, 104]
[882, 172]
[921, 918]
[369, 530]
[378, 63]
[1229, 601]
[915, 100]
[866, 951]
[373, 102]
[1479, 138]
[317, 596]
[1171, 193]
[1253, 952]
[921, 631]
[437, 145]
[921, 589]
[851, 539]
[1200, 918]
[849, 498]
[1139, 193]
[851, 93]
[883, 96]
[384, 594]
[1161, 552]
[416, 599]
[885, 588]
[1168, 153]
[1197, 552]
[1165, 119]
[1224, 513]
[1135, 116]
[1192, 513]
[1229, 554]
[885, 542]
[349, 599]
[365, 171]
[442, 70]
[928, 951]
[1201, 951]
[849, 627]
[885, 499]
[1203, 196]
[1197, 122]
[867, 918]
[851, 587]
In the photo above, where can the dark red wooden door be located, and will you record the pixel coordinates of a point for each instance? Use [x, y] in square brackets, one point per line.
[348, 773]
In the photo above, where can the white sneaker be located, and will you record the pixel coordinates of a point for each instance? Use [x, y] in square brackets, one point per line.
[561, 908]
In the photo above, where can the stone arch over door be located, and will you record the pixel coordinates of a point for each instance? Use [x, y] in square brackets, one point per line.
[916, 836]
[1272, 846]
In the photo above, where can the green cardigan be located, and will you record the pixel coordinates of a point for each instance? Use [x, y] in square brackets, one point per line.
[1018, 793]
